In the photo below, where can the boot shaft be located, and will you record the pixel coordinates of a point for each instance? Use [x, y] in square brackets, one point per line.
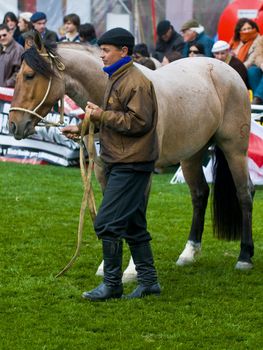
[144, 263]
[112, 256]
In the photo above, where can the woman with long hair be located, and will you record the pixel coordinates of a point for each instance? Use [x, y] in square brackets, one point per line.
[245, 39]
[11, 21]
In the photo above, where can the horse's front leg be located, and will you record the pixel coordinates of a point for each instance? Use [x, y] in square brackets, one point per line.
[194, 176]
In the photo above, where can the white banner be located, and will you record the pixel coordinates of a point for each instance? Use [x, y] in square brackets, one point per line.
[47, 145]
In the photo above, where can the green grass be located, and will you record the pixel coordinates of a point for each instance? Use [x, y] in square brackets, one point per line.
[206, 306]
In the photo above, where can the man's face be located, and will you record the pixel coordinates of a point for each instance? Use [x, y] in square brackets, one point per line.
[111, 54]
[5, 37]
[70, 27]
[40, 25]
[188, 35]
[167, 36]
[221, 55]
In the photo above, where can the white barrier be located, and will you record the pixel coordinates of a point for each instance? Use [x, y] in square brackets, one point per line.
[47, 145]
[255, 155]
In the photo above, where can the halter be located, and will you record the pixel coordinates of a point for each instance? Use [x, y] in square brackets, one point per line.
[60, 66]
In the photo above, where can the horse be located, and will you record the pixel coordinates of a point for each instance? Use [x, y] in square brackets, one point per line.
[201, 102]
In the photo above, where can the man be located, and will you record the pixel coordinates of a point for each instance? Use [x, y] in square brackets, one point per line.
[168, 40]
[10, 57]
[221, 51]
[194, 33]
[71, 25]
[127, 125]
[87, 34]
[39, 21]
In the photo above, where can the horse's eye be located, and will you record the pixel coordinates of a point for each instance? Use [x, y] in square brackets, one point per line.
[29, 76]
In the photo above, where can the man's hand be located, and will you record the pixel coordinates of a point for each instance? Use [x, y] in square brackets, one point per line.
[95, 111]
[71, 131]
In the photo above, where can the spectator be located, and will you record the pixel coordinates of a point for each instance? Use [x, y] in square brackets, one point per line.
[197, 50]
[141, 55]
[170, 57]
[168, 40]
[141, 50]
[11, 21]
[194, 33]
[10, 57]
[221, 51]
[71, 24]
[87, 34]
[255, 71]
[245, 39]
[39, 21]
[24, 25]
[145, 61]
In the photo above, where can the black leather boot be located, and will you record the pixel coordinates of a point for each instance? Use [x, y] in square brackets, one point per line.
[112, 285]
[147, 276]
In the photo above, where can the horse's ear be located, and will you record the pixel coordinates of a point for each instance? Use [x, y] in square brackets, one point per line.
[38, 42]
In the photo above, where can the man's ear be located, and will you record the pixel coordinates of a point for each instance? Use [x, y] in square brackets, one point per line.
[125, 51]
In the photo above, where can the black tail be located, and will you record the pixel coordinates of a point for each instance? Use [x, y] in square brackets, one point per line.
[226, 212]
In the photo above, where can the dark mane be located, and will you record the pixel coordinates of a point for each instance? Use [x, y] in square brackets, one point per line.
[38, 63]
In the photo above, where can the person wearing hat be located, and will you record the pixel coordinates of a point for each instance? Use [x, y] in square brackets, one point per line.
[221, 51]
[39, 20]
[194, 33]
[129, 148]
[168, 40]
[24, 25]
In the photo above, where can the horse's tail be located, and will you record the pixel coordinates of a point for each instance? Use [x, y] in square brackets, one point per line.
[226, 212]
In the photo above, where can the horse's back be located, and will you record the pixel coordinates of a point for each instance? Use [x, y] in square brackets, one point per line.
[196, 98]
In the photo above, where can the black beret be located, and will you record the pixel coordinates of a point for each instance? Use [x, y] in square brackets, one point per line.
[38, 16]
[117, 37]
[163, 27]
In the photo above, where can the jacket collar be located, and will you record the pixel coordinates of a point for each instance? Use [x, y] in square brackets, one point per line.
[116, 67]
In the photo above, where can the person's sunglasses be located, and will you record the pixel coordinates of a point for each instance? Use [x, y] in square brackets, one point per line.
[194, 51]
[3, 35]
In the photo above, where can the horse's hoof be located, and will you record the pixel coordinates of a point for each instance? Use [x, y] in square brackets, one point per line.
[189, 253]
[129, 277]
[243, 265]
[184, 261]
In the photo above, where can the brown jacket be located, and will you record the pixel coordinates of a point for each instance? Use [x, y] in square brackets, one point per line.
[128, 123]
[10, 61]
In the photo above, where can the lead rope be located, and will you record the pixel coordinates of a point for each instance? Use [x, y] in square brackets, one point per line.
[88, 195]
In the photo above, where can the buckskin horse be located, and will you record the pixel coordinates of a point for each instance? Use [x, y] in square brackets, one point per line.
[201, 102]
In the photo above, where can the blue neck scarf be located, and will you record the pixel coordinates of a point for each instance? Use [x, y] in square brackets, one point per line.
[115, 66]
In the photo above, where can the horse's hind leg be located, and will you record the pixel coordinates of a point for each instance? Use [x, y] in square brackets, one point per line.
[245, 192]
[194, 176]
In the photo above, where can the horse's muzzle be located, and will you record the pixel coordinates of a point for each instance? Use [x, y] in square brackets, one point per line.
[21, 130]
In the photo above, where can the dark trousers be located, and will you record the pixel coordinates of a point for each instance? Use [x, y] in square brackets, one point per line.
[122, 213]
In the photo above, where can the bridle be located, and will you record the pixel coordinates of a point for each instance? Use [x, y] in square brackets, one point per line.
[61, 67]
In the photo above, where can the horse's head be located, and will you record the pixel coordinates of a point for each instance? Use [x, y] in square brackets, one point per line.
[38, 87]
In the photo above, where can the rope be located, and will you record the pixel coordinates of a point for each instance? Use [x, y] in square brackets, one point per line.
[88, 195]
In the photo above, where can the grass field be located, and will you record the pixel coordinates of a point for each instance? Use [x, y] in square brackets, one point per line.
[205, 306]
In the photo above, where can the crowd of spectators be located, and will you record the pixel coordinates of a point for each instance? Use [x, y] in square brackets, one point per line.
[244, 52]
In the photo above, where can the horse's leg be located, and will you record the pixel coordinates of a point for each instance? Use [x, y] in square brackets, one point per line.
[245, 193]
[194, 176]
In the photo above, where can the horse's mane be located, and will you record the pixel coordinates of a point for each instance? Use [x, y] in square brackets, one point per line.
[40, 65]
[38, 62]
